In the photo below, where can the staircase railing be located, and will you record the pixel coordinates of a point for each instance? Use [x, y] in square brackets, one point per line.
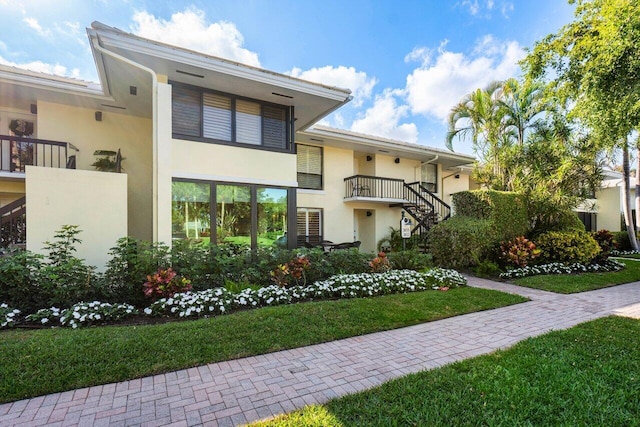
[13, 223]
[425, 207]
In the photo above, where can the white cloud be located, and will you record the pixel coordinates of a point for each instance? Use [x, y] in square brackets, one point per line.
[35, 25]
[358, 82]
[383, 118]
[420, 54]
[43, 67]
[190, 29]
[484, 8]
[437, 85]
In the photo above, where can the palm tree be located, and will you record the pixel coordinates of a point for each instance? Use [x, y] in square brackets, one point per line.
[478, 115]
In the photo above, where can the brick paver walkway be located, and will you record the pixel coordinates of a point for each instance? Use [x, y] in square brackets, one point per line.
[244, 390]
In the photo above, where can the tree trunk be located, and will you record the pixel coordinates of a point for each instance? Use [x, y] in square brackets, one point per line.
[626, 197]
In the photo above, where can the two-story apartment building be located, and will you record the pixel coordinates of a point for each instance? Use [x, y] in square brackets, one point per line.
[209, 149]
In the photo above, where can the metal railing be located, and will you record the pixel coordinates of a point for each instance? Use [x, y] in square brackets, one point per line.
[420, 195]
[18, 152]
[13, 223]
[374, 187]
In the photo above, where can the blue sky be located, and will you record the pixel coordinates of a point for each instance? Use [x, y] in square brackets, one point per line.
[407, 62]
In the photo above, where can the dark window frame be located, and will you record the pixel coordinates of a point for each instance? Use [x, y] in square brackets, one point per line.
[289, 143]
[321, 168]
[292, 209]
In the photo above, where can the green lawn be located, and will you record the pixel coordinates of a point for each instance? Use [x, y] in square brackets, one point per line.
[571, 283]
[36, 362]
[632, 256]
[587, 375]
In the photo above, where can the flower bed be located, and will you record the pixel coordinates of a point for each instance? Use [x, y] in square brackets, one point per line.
[558, 268]
[8, 316]
[219, 301]
[82, 314]
[616, 252]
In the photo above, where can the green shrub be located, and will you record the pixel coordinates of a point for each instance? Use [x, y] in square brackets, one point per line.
[65, 279]
[410, 260]
[487, 268]
[507, 211]
[621, 240]
[19, 281]
[393, 242]
[461, 242]
[132, 260]
[567, 247]
[551, 220]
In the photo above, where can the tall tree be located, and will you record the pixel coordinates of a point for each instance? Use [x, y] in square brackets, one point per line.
[594, 68]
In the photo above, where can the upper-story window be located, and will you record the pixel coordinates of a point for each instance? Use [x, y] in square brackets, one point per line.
[309, 165]
[212, 116]
[429, 176]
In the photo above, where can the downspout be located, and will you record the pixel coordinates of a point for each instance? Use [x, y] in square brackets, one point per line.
[154, 127]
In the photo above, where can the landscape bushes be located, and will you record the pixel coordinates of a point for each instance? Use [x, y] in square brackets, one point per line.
[567, 247]
[462, 242]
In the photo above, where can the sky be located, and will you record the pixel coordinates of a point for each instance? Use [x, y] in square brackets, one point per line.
[407, 62]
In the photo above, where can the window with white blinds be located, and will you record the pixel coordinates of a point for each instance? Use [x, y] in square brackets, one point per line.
[248, 122]
[309, 167]
[207, 115]
[309, 226]
[216, 115]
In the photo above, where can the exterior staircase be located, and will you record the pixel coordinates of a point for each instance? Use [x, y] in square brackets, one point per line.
[13, 224]
[424, 207]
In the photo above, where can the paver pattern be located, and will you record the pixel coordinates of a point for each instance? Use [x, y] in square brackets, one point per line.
[244, 390]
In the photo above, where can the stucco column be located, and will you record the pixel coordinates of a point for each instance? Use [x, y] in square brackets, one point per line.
[162, 212]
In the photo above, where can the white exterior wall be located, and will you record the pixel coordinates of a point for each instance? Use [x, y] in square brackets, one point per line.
[608, 208]
[94, 201]
[132, 135]
[338, 219]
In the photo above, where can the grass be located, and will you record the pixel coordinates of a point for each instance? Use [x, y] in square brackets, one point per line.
[632, 256]
[36, 362]
[572, 283]
[587, 375]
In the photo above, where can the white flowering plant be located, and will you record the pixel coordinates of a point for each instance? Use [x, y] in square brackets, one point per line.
[616, 252]
[87, 313]
[8, 316]
[559, 268]
[46, 316]
[220, 301]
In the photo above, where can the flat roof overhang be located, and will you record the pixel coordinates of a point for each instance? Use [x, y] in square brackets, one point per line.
[368, 144]
[311, 101]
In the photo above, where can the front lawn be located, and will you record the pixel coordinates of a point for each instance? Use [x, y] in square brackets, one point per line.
[571, 283]
[587, 375]
[36, 362]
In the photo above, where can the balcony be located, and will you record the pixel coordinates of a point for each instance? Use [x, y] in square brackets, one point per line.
[362, 188]
[18, 152]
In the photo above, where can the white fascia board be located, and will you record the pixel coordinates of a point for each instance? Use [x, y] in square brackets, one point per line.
[218, 65]
[51, 85]
[372, 142]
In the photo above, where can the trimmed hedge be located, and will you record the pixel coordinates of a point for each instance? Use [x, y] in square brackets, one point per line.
[462, 242]
[506, 211]
[567, 247]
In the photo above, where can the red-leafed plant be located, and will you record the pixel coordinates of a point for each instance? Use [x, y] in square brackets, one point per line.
[286, 275]
[606, 243]
[165, 283]
[519, 251]
[380, 264]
